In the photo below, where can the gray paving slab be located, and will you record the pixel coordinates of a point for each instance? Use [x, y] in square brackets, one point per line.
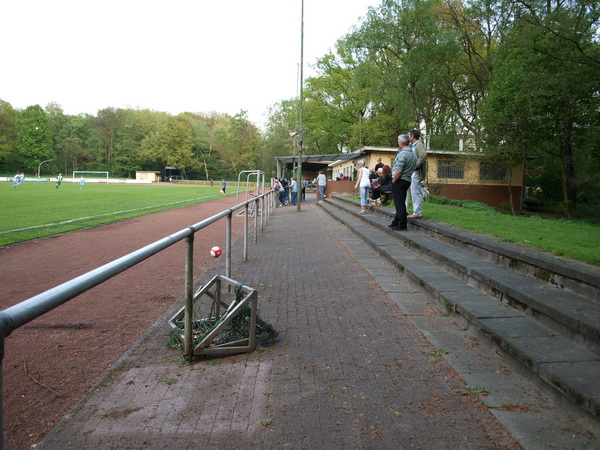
[349, 369]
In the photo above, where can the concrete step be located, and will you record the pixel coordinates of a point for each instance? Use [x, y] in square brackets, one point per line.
[575, 276]
[548, 330]
[568, 313]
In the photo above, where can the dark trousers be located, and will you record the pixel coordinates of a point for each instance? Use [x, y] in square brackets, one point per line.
[399, 189]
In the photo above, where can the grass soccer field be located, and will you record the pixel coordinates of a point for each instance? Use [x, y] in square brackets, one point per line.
[34, 210]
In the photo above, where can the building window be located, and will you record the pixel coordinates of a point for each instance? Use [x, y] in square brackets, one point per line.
[451, 169]
[489, 171]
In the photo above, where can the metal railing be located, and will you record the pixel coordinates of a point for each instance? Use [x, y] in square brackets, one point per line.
[18, 315]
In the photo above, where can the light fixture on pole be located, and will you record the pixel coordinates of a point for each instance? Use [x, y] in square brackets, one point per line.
[301, 130]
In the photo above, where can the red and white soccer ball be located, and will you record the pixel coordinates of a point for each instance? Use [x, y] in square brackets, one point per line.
[215, 252]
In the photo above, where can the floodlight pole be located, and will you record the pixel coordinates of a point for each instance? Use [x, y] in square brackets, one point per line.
[301, 130]
[39, 167]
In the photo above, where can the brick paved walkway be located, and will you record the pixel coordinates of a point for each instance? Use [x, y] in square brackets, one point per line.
[348, 369]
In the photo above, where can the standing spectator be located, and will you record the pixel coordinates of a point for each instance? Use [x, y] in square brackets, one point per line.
[286, 189]
[363, 183]
[322, 182]
[58, 180]
[276, 184]
[294, 190]
[403, 167]
[379, 164]
[418, 174]
[304, 183]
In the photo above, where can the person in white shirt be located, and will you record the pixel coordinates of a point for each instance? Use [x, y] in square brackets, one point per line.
[322, 182]
[362, 184]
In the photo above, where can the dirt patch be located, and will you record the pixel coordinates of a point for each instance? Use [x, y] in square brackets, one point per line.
[52, 362]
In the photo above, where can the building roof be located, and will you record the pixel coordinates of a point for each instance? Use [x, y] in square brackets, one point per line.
[315, 162]
[318, 162]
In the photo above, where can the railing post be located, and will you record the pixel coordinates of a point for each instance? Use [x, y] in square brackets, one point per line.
[263, 214]
[189, 300]
[2, 390]
[256, 219]
[246, 232]
[228, 247]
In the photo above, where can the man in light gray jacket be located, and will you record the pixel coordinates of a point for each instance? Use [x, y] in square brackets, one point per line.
[418, 174]
[403, 167]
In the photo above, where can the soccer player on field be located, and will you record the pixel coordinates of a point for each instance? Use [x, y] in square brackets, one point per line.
[81, 182]
[58, 180]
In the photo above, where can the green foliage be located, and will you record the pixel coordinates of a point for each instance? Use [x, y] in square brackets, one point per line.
[123, 141]
[543, 95]
[106, 124]
[467, 204]
[34, 138]
[171, 144]
[8, 135]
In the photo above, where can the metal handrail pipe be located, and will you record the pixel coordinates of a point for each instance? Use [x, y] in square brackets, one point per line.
[18, 315]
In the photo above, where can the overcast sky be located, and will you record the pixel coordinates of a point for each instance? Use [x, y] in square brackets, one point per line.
[170, 55]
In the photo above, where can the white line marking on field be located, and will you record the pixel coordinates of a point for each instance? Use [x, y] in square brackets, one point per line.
[102, 215]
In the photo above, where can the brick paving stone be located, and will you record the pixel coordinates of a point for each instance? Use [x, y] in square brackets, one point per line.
[348, 370]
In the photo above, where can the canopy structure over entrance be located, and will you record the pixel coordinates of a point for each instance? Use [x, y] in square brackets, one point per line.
[311, 164]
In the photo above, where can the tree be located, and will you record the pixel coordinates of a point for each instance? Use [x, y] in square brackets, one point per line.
[409, 51]
[278, 140]
[172, 144]
[106, 124]
[70, 136]
[137, 124]
[8, 135]
[34, 138]
[544, 90]
[243, 143]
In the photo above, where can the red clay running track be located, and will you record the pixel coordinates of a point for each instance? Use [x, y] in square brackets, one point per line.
[52, 362]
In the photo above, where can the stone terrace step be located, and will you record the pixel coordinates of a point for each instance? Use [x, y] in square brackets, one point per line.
[570, 314]
[578, 277]
[550, 331]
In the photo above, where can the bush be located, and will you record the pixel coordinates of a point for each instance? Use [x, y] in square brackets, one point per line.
[467, 204]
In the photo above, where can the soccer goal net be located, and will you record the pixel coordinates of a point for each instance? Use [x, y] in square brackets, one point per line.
[95, 176]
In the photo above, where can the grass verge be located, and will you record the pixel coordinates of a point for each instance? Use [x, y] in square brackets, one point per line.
[570, 238]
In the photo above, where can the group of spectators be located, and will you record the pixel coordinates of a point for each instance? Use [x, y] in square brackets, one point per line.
[373, 183]
[285, 188]
[407, 171]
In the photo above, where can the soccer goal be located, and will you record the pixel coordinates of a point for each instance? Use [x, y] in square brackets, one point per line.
[93, 176]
